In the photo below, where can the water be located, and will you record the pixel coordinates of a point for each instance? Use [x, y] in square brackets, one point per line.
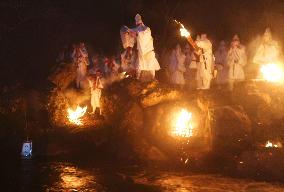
[61, 175]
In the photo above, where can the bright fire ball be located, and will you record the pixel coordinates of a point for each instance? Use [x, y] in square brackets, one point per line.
[272, 73]
[182, 126]
[75, 116]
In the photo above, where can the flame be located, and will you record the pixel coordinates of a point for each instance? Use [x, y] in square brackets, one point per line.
[275, 145]
[183, 31]
[183, 124]
[74, 116]
[272, 73]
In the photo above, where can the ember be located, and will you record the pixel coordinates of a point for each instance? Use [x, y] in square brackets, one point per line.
[75, 116]
[183, 124]
[272, 73]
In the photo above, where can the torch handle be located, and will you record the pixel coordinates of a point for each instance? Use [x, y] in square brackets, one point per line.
[192, 43]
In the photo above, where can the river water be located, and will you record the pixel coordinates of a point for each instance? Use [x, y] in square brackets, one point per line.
[62, 175]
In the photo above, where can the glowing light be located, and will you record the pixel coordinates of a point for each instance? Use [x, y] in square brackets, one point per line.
[183, 124]
[183, 31]
[272, 73]
[271, 145]
[73, 179]
[75, 116]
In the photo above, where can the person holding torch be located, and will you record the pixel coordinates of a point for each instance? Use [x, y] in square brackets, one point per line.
[203, 52]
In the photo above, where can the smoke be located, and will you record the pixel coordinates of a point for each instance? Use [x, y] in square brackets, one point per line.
[107, 81]
[75, 98]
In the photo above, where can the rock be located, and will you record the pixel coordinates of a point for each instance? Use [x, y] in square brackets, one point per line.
[63, 75]
[159, 96]
[231, 129]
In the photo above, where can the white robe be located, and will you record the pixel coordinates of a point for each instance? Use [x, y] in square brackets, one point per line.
[236, 60]
[221, 64]
[96, 91]
[267, 53]
[177, 67]
[146, 56]
[204, 67]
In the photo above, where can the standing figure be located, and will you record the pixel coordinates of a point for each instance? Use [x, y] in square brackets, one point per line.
[80, 57]
[146, 60]
[96, 91]
[128, 55]
[236, 60]
[221, 64]
[128, 62]
[177, 67]
[268, 51]
[204, 66]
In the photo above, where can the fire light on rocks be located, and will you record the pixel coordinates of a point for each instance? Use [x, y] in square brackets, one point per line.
[75, 116]
[182, 126]
[272, 73]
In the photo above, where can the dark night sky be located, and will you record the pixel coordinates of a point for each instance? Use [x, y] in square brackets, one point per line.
[31, 32]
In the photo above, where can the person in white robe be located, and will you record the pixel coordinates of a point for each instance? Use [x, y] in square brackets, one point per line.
[146, 59]
[127, 57]
[268, 51]
[80, 57]
[96, 87]
[236, 60]
[205, 64]
[221, 64]
[177, 67]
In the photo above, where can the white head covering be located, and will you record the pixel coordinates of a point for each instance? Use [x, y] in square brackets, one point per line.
[236, 38]
[267, 34]
[138, 19]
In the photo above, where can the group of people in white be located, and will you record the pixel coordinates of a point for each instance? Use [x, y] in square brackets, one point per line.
[226, 65]
[184, 64]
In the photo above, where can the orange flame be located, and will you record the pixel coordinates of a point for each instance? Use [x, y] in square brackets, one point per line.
[183, 31]
[272, 73]
[273, 145]
[75, 116]
[183, 124]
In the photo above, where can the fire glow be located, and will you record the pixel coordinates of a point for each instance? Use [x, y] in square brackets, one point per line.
[273, 145]
[272, 73]
[183, 31]
[75, 116]
[183, 124]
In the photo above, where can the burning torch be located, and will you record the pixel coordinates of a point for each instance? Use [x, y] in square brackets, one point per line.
[185, 33]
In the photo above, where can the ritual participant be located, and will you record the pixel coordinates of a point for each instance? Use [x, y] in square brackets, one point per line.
[128, 55]
[268, 51]
[236, 60]
[177, 67]
[205, 64]
[128, 62]
[146, 60]
[80, 57]
[221, 64]
[96, 87]
[95, 64]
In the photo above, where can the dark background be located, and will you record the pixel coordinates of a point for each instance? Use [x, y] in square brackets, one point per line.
[32, 32]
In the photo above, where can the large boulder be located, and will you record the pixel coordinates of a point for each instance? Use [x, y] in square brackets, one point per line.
[231, 129]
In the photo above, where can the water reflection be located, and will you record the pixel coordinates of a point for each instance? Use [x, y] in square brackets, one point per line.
[72, 178]
[61, 176]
